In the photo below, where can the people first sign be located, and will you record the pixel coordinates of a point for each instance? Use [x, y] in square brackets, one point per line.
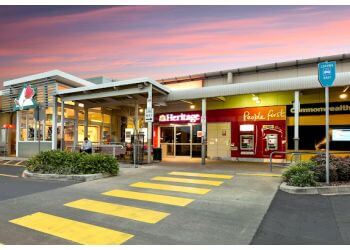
[326, 73]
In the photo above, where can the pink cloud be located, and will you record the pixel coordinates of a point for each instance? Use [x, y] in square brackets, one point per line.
[201, 46]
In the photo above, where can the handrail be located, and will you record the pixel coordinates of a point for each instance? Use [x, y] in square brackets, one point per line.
[293, 153]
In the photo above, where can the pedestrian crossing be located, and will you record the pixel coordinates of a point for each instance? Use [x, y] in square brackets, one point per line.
[84, 233]
[174, 188]
[185, 180]
[72, 230]
[156, 198]
[128, 212]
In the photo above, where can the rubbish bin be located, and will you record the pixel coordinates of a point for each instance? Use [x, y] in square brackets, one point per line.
[157, 154]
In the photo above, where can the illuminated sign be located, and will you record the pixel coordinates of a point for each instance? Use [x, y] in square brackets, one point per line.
[341, 135]
[264, 114]
[246, 127]
[181, 117]
[25, 99]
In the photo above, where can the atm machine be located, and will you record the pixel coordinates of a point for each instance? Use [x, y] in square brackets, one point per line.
[272, 139]
[247, 139]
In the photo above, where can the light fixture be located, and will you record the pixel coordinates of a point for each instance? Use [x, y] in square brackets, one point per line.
[81, 105]
[255, 98]
[141, 110]
[343, 96]
[192, 106]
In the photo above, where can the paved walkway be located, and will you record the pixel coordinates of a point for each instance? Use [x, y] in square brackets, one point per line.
[147, 205]
[306, 219]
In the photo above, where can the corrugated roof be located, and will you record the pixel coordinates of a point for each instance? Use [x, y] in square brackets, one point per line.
[264, 67]
[287, 84]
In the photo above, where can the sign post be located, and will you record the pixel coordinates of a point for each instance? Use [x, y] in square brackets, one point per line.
[326, 76]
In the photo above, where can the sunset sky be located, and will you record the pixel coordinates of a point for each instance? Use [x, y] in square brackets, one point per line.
[164, 41]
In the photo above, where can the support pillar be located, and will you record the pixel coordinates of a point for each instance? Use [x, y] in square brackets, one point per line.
[54, 124]
[296, 122]
[62, 124]
[136, 130]
[86, 121]
[18, 124]
[204, 129]
[76, 122]
[149, 125]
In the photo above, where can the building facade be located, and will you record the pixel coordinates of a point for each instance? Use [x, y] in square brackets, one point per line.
[241, 114]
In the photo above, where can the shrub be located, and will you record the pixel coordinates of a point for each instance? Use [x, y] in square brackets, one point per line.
[64, 162]
[300, 175]
[339, 168]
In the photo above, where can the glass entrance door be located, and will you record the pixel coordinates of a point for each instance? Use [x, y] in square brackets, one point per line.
[183, 141]
[180, 140]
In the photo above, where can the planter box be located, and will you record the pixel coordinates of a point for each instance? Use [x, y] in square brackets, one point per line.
[342, 189]
[73, 177]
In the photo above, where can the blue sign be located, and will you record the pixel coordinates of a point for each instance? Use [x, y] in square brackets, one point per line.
[326, 73]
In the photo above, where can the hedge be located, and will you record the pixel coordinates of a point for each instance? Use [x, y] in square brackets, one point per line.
[300, 175]
[64, 162]
[309, 173]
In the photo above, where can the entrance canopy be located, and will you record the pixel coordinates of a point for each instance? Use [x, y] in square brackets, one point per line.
[112, 94]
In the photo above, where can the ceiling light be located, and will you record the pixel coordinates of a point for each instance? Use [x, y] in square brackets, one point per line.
[343, 96]
[255, 98]
[192, 106]
[141, 110]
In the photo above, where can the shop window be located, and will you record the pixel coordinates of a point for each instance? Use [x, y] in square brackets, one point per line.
[313, 138]
[195, 129]
[27, 131]
[93, 133]
[95, 116]
[106, 119]
[166, 135]
[183, 134]
[48, 124]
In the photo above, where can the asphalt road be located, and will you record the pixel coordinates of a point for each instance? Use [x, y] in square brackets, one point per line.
[305, 219]
[228, 213]
[12, 185]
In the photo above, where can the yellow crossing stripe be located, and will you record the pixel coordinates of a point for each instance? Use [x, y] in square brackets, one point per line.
[75, 231]
[184, 180]
[157, 198]
[191, 190]
[205, 175]
[9, 175]
[265, 175]
[133, 213]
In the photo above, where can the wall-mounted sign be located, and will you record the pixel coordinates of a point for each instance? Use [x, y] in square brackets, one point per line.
[341, 135]
[264, 113]
[326, 73]
[319, 109]
[26, 99]
[179, 118]
[149, 115]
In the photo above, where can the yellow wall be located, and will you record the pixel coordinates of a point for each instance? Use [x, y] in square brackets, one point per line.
[276, 98]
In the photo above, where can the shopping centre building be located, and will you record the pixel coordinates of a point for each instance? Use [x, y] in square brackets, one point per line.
[240, 114]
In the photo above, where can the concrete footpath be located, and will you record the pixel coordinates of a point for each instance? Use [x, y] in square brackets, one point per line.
[169, 207]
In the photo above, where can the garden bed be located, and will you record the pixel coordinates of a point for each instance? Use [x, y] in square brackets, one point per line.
[64, 165]
[309, 177]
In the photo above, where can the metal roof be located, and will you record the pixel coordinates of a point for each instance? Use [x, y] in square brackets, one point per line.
[287, 84]
[107, 85]
[58, 75]
[264, 67]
